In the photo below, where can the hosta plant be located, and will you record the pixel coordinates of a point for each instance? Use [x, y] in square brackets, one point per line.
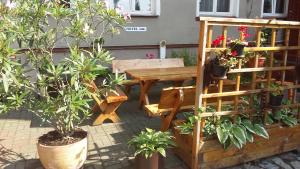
[238, 133]
[150, 141]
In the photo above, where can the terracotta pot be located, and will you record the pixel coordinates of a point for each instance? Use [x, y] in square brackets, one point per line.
[218, 71]
[70, 156]
[275, 100]
[260, 62]
[156, 161]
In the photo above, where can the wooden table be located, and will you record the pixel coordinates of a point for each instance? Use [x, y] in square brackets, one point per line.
[148, 77]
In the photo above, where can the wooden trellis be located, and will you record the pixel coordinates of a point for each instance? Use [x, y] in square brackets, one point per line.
[207, 25]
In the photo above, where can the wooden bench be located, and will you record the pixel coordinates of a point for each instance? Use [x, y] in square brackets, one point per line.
[107, 107]
[172, 100]
[120, 66]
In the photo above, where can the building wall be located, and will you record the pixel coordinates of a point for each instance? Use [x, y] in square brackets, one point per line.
[176, 24]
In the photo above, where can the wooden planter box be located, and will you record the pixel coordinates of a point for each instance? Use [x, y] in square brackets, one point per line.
[212, 154]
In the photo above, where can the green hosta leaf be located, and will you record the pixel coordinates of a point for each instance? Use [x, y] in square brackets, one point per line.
[269, 119]
[235, 142]
[227, 144]
[162, 151]
[261, 131]
[248, 125]
[290, 121]
[249, 137]
[222, 136]
[239, 134]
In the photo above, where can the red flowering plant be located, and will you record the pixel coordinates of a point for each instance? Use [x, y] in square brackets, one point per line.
[227, 57]
[239, 44]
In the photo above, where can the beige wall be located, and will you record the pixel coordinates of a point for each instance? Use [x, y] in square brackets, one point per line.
[176, 24]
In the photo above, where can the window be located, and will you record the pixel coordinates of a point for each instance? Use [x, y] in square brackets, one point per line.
[275, 8]
[137, 7]
[217, 7]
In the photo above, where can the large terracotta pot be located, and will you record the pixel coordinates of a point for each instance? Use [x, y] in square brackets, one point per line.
[156, 161]
[70, 156]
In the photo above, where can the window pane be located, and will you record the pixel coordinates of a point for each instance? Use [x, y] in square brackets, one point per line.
[268, 6]
[280, 5]
[223, 6]
[142, 5]
[206, 6]
[123, 4]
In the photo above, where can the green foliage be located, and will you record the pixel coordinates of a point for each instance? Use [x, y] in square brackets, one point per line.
[286, 116]
[277, 89]
[59, 95]
[238, 133]
[188, 58]
[150, 141]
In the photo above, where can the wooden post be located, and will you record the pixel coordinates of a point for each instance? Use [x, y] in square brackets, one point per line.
[199, 88]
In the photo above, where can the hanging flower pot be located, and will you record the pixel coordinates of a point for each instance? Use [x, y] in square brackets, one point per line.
[239, 49]
[275, 101]
[218, 71]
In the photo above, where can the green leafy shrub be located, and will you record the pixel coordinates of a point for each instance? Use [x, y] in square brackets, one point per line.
[57, 92]
[277, 89]
[150, 141]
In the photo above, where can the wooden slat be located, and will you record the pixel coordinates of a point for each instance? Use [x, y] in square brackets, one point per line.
[260, 69]
[199, 84]
[285, 53]
[246, 92]
[259, 49]
[120, 66]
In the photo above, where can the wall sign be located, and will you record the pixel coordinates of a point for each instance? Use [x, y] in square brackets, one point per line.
[135, 29]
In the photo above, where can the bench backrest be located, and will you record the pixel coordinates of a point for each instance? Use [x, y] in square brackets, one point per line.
[170, 96]
[121, 66]
[185, 95]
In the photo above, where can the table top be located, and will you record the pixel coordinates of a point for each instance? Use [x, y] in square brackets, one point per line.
[174, 73]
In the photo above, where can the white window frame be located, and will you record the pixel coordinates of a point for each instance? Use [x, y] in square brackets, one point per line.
[155, 9]
[233, 11]
[273, 14]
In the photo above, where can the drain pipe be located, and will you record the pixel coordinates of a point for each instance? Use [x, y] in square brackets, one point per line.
[162, 49]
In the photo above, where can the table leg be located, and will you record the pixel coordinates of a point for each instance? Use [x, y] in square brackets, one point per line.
[145, 87]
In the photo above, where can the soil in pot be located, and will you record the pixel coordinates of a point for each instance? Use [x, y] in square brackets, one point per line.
[156, 161]
[239, 48]
[275, 100]
[53, 138]
[218, 71]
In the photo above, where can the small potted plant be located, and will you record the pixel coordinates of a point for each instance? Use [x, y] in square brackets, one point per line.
[261, 59]
[276, 95]
[150, 146]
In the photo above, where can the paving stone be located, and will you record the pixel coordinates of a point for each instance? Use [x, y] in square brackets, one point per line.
[281, 163]
[295, 164]
[298, 158]
[268, 165]
[249, 166]
[288, 156]
[116, 166]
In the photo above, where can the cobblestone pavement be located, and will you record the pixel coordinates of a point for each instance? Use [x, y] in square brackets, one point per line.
[107, 143]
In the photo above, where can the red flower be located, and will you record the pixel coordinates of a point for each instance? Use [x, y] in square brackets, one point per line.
[234, 53]
[218, 41]
[243, 29]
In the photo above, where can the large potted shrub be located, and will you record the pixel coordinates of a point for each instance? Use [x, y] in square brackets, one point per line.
[150, 148]
[56, 91]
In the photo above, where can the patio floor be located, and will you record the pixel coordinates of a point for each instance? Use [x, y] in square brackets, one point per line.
[107, 143]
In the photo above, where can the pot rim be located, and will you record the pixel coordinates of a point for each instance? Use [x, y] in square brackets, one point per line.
[68, 145]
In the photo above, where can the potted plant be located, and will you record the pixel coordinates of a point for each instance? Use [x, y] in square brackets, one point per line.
[261, 59]
[223, 61]
[238, 45]
[276, 95]
[150, 146]
[38, 26]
